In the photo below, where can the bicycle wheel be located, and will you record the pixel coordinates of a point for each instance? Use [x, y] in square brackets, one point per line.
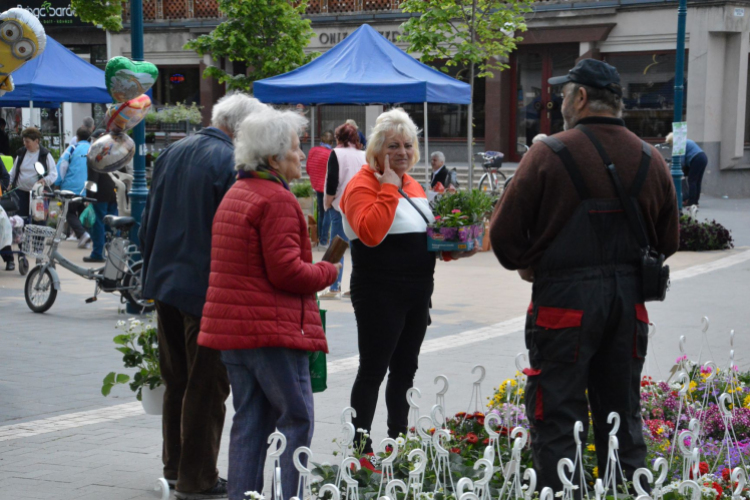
[23, 265]
[134, 289]
[39, 291]
[487, 183]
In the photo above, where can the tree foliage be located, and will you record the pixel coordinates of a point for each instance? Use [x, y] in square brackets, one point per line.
[267, 35]
[105, 13]
[465, 32]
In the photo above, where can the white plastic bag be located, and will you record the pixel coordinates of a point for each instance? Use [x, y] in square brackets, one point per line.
[37, 208]
[6, 230]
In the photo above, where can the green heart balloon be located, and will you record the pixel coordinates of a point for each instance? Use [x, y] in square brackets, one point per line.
[128, 79]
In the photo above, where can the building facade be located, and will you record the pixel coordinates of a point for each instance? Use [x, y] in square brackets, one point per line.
[636, 36]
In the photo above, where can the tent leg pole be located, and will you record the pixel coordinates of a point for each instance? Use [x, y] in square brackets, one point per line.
[426, 149]
[59, 128]
[312, 128]
[31, 112]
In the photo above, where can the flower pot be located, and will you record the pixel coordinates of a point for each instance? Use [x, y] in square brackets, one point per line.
[306, 204]
[465, 233]
[153, 399]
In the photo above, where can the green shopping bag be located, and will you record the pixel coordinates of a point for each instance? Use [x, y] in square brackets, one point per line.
[318, 369]
[88, 217]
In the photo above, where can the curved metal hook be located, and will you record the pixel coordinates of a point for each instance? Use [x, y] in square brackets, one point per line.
[546, 494]
[392, 485]
[274, 438]
[689, 483]
[347, 411]
[383, 448]
[565, 463]
[297, 463]
[614, 419]
[661, 465]
[329, 488]
[346, 471]
[463, 485]
[446, 385]
[684, 447]
[486, 474]
[420, 464]
[681, 377]
[714, 370]
[438, 443]
[469, 495]
[695, 427]
[651, 330]
[577, 431]
[522, 434]
[705, 322]
[489, 453]
[682, 344]
[410, 396]
[599, 490]
[422, 431]
[433, 414]
[488, 421]
[483, 372]
[731, 338]
[724, 400]
[529, 475]
[637, 484]
[738, 476]
[520, 356]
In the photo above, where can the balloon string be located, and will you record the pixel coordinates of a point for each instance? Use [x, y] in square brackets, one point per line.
[116, 113]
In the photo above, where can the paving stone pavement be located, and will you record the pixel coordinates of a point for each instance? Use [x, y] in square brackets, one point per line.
[80, 445]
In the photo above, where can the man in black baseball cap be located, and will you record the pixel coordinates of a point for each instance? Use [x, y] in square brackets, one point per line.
[561, 224]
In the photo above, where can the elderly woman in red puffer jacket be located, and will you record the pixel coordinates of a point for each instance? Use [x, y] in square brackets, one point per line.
[260, 309]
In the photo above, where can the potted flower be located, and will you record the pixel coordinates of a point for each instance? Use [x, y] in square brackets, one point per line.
[459, 220]
[304, 193]
[139, 346]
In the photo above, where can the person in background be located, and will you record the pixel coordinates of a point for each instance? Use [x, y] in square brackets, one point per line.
[72, 173]
[260, 309]
[345, 161]
[5, 252]
[440, 173]
[88, 124]
[392, 271]
[316, 166]
[23, 175]
[694, 166]
[189, 182]
[106, 204]
[4, 140]
[362, 138]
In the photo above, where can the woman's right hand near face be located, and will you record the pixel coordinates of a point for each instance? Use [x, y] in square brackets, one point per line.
[388, 176]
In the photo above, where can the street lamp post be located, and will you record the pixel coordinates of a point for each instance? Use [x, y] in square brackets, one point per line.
[679, 92]
[139, 191]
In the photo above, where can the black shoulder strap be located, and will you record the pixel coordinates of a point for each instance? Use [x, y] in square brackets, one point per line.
[627, 203]
[20, 155]
[561, 150]
[640, 177]
[401, 191]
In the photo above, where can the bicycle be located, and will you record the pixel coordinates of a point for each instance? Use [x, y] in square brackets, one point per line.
[492, 180]
[121, 272]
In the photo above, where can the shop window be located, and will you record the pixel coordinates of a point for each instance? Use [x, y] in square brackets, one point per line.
[177, 84]
[648, 91]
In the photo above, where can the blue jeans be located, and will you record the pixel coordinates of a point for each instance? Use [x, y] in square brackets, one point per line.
[270, 390]
[337, 229]
[324, 220]
[101, 210]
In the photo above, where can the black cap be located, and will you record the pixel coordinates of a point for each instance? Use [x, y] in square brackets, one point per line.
[593, 73]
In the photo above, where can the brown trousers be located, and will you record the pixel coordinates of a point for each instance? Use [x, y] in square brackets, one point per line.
[196, 388]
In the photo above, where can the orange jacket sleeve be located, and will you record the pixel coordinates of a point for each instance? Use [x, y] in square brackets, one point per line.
[369, 207]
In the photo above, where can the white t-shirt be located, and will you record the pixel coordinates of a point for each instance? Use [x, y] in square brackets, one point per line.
[28, 176]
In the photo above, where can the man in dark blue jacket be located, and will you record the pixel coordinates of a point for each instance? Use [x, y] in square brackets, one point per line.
[189, 181]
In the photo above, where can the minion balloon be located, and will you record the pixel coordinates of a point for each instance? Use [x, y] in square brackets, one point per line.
[22, 38]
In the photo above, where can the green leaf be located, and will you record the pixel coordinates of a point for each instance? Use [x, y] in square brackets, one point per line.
[122, 378]
[109, 379]
[106, 388]
[121, 339]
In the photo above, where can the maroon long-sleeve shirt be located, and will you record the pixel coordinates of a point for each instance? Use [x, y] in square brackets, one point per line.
[541, 198]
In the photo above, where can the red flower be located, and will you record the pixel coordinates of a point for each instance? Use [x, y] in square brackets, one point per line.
[478, 414]
[703, 467]
[469, 416]
[432, 431]
[726, 474]
[472, 438]
[504, 431]
[719, 490]
[461, 414]
[486, 441]
[413, 430]
[480, 420]
[456, 450]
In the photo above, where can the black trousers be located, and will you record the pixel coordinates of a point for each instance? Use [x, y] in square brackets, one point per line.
[587, 330]
[73, 219]
[392, 320]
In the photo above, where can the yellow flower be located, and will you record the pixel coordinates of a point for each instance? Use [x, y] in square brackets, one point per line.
[591, 447]
[747, 401]
[693, 385]
[660, 430]
[596, 472]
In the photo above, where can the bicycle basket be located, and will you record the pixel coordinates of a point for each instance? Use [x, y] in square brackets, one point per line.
[493, 159]
[36, 239]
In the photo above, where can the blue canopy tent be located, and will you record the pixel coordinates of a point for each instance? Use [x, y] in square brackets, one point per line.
[364, 68]
[56, 76]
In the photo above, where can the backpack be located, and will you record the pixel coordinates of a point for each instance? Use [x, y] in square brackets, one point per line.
[452, 179]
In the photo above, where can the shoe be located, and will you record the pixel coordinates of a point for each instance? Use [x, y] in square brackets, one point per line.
[330, 295]
[84, 240]
[94, 259]
[10, 266]
[219, 490]
[347, 295]
[171, 482]
[71, 237]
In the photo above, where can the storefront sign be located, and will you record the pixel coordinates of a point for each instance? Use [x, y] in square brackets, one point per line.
[679, 136]
[329, 37]
[53, 12]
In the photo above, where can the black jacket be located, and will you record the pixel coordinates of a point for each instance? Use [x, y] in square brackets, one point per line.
[190, 179]
[441, 177]
[4, 143]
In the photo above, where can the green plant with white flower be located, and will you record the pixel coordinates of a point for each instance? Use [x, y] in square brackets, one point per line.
[254, 495]
[139, 346]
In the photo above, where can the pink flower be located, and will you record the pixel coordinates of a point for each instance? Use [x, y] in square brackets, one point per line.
[455, 211]
[681, 358]
[437, 217]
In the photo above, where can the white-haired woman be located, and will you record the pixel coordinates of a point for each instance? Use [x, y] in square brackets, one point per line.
[260, 309]
[392, 271]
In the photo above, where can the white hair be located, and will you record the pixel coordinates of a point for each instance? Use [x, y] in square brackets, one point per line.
[88, 122]
[395, 120]
[538, 138]
[352, 123]
[438, 154]
[265, 133]
[230, 110]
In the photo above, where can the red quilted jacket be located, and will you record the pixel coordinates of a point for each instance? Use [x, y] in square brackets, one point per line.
[262, 286]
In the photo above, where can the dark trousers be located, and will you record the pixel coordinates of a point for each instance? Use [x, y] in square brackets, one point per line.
[271, 390]
[585, 332]
[392, 319]
[6, 254]
[324, 220]
[73, 218]
[196, 389]
[695, 178]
